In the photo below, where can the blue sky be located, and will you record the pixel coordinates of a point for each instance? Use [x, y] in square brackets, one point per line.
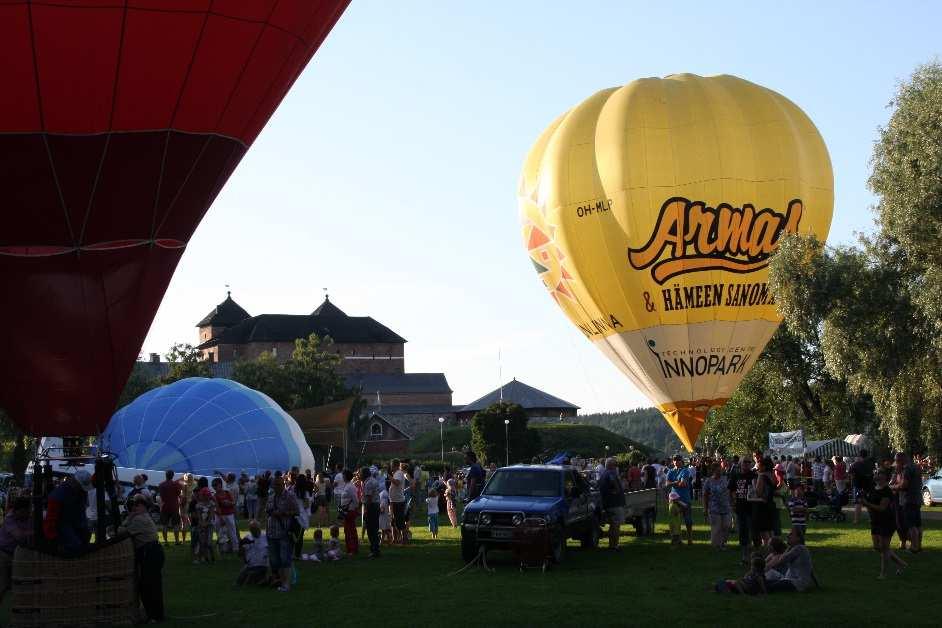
[389, 173]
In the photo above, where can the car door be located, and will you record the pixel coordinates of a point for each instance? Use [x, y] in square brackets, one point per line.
[935, 486]
[577, 495]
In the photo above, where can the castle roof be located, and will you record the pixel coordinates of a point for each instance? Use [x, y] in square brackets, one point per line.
[226, 314]
[326, 320]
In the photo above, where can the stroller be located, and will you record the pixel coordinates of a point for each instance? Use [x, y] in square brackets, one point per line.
[832, 510]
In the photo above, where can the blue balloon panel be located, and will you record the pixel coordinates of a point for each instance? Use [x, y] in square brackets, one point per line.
[206, 425]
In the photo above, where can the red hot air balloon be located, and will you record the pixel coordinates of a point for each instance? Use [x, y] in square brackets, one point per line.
[120, 121]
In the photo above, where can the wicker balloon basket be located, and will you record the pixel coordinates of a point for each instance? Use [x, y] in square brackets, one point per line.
[94, 590]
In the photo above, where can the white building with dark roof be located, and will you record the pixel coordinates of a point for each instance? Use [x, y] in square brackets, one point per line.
[536, 403]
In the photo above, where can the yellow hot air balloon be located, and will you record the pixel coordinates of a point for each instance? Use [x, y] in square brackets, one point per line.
[650, 212]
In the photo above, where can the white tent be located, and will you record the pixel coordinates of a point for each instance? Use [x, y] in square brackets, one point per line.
[832, 447]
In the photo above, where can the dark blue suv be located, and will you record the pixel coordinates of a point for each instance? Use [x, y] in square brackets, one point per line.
[553, 496]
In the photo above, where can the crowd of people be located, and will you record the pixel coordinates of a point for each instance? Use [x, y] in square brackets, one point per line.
[746, 496]
[374, 503]
[752, 494]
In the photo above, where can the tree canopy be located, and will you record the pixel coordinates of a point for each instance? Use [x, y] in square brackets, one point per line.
[490, 441]
[875, 309]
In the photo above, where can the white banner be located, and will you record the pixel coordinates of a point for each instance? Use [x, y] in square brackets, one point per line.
[788, 441]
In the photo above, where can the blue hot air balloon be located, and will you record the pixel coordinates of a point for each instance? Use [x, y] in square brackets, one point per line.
[203, 426]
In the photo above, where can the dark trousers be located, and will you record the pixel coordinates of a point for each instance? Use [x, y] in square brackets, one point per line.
[371, 521]
[744, 525]
[150, 565]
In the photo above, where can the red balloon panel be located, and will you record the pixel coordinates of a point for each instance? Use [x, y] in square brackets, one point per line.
[119, 125]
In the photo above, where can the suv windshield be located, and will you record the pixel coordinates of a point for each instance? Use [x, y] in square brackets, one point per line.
[524, 483]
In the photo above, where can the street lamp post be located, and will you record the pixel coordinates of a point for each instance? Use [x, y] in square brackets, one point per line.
[441, 434]
[507, 440]
[606, 452]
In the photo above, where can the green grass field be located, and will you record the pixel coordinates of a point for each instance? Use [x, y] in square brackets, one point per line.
[648, 582]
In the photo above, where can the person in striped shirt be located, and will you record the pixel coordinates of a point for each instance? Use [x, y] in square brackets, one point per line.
[798, 509]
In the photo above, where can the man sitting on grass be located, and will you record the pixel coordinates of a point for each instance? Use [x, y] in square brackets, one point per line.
[797, 562]
[254, 551]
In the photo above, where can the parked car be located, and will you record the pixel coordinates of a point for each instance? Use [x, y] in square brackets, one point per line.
[552, 499]
[932, 489]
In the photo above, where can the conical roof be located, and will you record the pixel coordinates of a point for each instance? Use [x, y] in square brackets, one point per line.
[328, 309]
[226, 314]
[528, 397]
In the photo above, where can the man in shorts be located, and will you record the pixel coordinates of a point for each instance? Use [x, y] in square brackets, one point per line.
[613, 501]
[169, 492]
[907, 484]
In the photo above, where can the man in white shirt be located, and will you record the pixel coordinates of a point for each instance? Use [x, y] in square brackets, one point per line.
[397, 500]
[339, 484]
[254, 551]
[350, 508]
[371, 491]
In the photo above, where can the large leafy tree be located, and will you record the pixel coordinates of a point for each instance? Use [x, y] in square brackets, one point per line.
[877, 308]
[491, 438]
[314, 373]
[309, 378]
[266, 375]
[185, 361]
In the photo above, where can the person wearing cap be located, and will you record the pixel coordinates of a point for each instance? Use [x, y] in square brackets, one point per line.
[66, 524]
[148, 557]
[679, 480]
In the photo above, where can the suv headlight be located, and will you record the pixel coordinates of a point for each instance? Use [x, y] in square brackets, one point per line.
[470, 517]
[517, 519]
[485, 519]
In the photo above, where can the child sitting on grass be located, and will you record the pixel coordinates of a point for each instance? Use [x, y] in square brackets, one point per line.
[432, 501]
[753, 583]
[333, 544]
[318, 553]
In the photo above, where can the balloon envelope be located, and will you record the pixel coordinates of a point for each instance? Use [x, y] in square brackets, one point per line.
[119, 125]
[650, 212]
[206, 425]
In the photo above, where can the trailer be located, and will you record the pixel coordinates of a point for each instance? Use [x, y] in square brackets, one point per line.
[641, 510]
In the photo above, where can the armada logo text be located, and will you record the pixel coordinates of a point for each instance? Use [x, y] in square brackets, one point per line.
[697, 237]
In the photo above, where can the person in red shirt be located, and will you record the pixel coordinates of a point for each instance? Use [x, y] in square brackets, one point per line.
[634, 477]
[225, 518]
[169, 492]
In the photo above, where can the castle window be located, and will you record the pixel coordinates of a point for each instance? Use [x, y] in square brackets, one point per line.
[376, 431]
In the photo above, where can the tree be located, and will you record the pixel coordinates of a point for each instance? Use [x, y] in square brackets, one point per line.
[490, 441]
[313, 369]
[265, 374]
[787, 389]
[139, 382]
[309, 378]
[877, 307]
[185, 361]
